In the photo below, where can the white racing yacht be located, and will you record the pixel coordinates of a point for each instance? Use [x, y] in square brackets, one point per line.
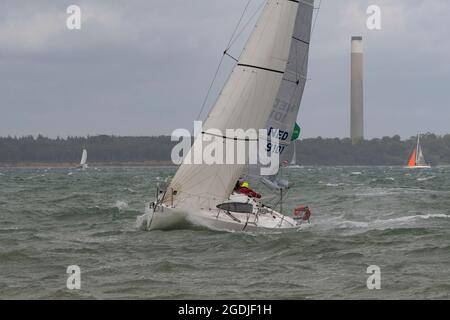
[264, 91]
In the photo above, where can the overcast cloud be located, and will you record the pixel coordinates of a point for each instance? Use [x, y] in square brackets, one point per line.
[142, 67]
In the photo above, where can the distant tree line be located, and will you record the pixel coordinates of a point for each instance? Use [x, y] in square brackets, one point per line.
[100, 149]
[316, 151]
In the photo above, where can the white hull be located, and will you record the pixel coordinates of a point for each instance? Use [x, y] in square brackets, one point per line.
[167, 218]
[419, 167]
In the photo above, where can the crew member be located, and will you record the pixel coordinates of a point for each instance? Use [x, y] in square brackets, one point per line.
[302, 213]
[244, 188]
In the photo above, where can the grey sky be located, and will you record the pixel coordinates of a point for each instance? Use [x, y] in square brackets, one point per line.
[142, 67]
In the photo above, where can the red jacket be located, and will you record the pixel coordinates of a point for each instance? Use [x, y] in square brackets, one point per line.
[249, 192]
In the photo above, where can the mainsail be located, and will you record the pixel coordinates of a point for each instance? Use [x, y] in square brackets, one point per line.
[420, 158]
[245, 103]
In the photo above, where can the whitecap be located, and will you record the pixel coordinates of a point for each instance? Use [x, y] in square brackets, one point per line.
[425, 178]
[121, 205]
[130, 190]
[332, 184]
[356, 224]
[32, 177]
[412, 218]
[381, 224]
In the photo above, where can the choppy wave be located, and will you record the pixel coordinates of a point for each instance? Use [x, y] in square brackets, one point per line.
[425, 178]
[405, 221]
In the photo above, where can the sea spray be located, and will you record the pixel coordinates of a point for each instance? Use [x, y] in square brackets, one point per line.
[143, 221]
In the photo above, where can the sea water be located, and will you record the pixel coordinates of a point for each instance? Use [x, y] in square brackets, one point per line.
[394, 218]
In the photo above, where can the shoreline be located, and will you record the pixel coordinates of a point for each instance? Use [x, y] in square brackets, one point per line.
[67, 165]
[155, 164]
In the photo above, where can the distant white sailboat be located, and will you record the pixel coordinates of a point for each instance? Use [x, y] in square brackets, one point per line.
[83, 162]
[293, 164]
[417, 159]
[263, 91]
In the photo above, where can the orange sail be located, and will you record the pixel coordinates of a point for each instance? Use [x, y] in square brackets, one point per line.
[412, 160]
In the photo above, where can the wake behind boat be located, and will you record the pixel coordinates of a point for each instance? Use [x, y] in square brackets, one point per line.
[264, 91]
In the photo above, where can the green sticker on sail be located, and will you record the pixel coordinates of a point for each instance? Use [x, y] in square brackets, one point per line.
[296, 132]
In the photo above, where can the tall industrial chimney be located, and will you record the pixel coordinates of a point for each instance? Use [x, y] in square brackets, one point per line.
[357, 91]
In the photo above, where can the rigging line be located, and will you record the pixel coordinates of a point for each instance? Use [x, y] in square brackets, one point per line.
[229, 55]
[247, 23]
[284, 196]
[221, 61]
[210, 88]
[317, 15]
[238, 24]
